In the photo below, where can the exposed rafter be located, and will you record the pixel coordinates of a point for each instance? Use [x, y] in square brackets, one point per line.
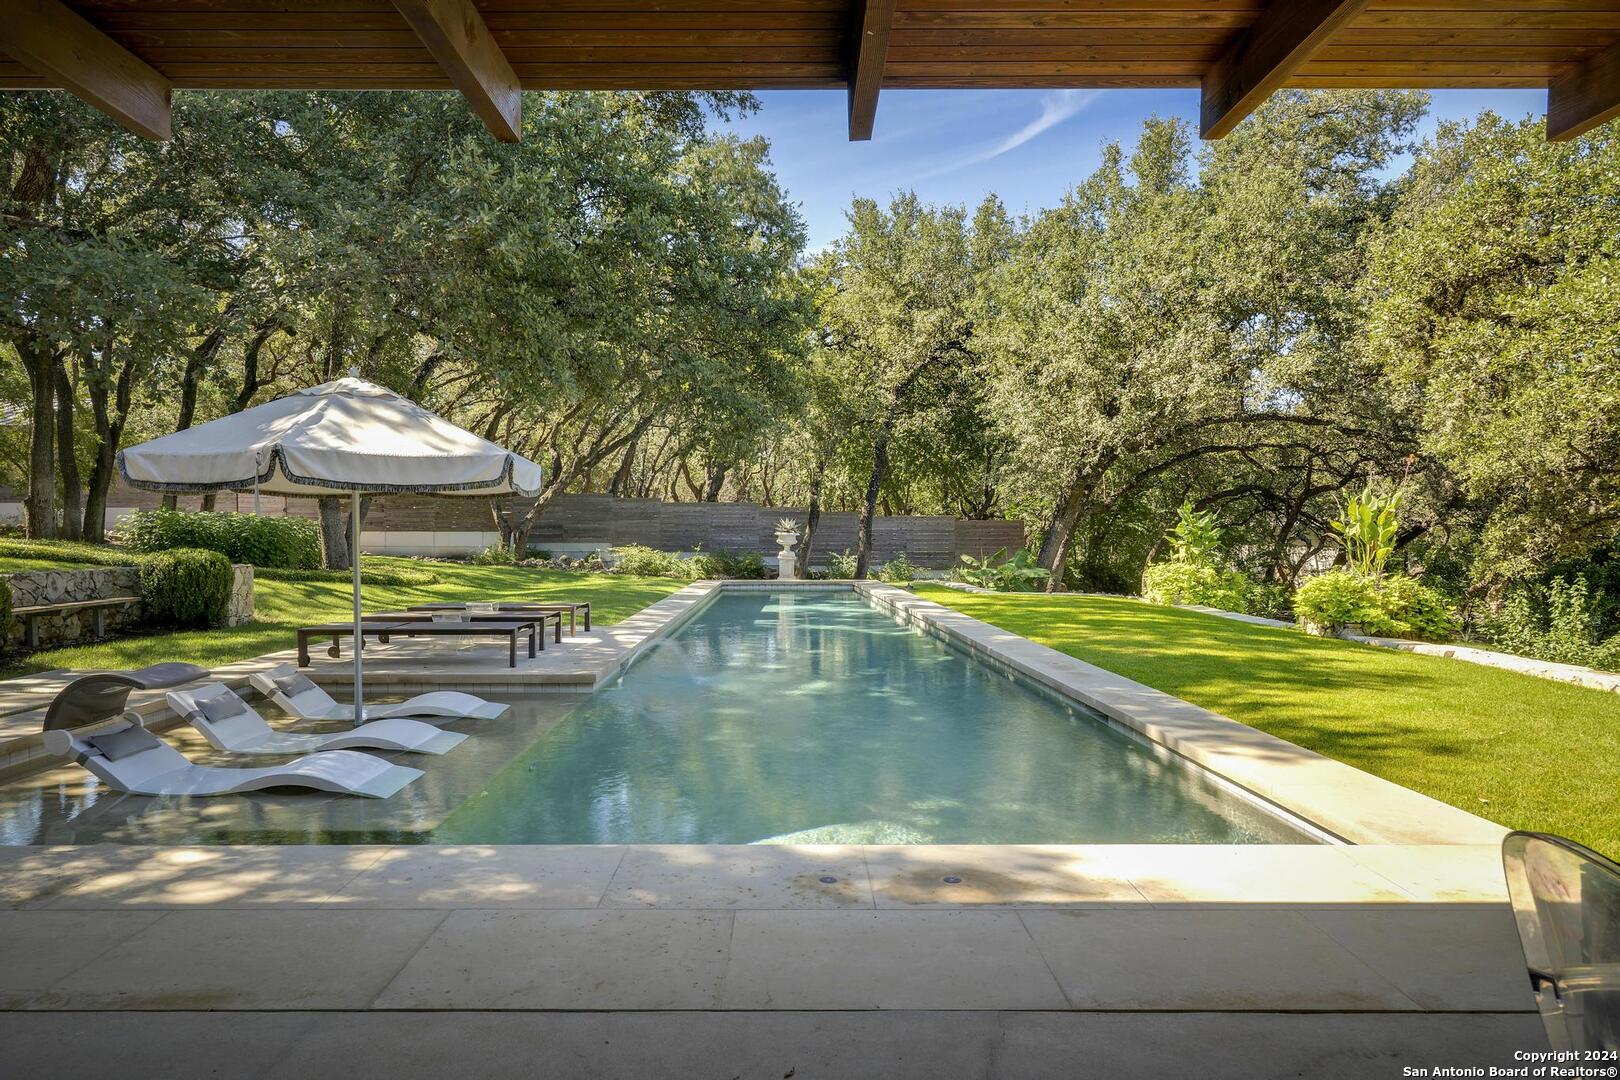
[59, 45]
[1280, 41]
[868, 56]
[455, 34]
[1585, 97]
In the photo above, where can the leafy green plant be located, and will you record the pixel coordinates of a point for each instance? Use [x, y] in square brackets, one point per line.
[1559, 621]
[996, 571]
[188, 588]
[725, 564]
[1397, 606]
[1416, 610]
[1273, 601]
[899, 570]
[641, 561]
[287, 542]
[1195, 537]
[1195, 583]
[494, 555]
[1330, 602]
[1368, 530]
[841, 565]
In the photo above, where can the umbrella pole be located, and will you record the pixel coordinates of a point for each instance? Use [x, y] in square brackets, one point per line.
[354, 563]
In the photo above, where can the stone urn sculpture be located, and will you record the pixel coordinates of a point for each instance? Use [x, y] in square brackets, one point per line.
[787, 534]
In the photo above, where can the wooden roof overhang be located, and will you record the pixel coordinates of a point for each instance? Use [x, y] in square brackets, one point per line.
[125, 56]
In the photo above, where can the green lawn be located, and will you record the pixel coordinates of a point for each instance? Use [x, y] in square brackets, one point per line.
[1526, 752]
[282, 606]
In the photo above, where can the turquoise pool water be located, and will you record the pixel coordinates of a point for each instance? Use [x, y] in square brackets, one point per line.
[810, 717]
[769, 717]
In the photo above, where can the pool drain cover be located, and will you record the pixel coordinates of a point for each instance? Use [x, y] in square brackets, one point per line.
[829, 881]
[952, 880]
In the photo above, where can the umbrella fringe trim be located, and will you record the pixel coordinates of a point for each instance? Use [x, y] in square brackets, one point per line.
[504, 476]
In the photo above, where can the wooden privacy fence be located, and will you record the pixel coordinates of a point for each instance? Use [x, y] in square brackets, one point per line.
[574, 524]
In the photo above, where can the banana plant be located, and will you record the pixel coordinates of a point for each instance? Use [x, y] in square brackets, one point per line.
[1017, 574]
[1195, 536]
[1368, 530]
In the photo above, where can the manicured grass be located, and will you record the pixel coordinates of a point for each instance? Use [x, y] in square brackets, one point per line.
[1526, 752]
[282, 606]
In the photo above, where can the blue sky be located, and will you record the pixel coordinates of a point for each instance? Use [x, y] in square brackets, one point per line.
[955, 146]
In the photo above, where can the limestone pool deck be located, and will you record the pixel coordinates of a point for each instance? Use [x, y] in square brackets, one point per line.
[1392, 948]
[1118, 961]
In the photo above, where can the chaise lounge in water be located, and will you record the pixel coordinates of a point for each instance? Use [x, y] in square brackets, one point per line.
[229, 723]
[128, 758]
[298, 695]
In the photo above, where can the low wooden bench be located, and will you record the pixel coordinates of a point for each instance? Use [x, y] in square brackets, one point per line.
[525, 615]
[31, 613]
[396, 626]
[524, 607]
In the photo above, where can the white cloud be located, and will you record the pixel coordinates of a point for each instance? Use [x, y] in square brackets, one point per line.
[1056, 107]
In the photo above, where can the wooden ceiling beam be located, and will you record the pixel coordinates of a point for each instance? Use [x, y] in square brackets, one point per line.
[1584, 97]
[869, 54]
[57, 43]
[1281, 40]
[455, 33]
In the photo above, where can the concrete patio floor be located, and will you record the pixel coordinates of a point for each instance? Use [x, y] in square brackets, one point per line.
[757, 961]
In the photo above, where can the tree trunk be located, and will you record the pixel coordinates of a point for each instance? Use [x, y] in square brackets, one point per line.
[515, 528]
[622, 475]
[812, 517]
[880, 468]
[1059, 540]
[110, 414]
[334, 512]
[67, 457]
[716, 481]
[40, 506]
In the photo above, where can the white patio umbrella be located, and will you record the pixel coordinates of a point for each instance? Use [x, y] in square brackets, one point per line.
[348, 435]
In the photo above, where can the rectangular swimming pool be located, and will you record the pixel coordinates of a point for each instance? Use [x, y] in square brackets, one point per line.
[785, 716]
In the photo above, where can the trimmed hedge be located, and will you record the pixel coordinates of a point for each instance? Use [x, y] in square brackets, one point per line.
[187, 588]
[285, 542]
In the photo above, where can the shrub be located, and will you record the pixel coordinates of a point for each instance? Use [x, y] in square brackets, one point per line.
[899, 570]
[1398, 606]
[724, 564]
[1330, 602]
[649, 562]
[841, 565]
[186, 587]
[494, 555]
[1416, 610]
[285, 542]
[1559, 621]
[1017, 574]
[1273, 601]
[405, 576]
[1195, 583]
[5, 612]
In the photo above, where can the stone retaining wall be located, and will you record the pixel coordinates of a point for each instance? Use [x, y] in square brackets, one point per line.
[34, 587]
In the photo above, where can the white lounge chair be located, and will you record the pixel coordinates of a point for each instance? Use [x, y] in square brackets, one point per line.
[229, 723]
[132, 759]
[297, 694]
